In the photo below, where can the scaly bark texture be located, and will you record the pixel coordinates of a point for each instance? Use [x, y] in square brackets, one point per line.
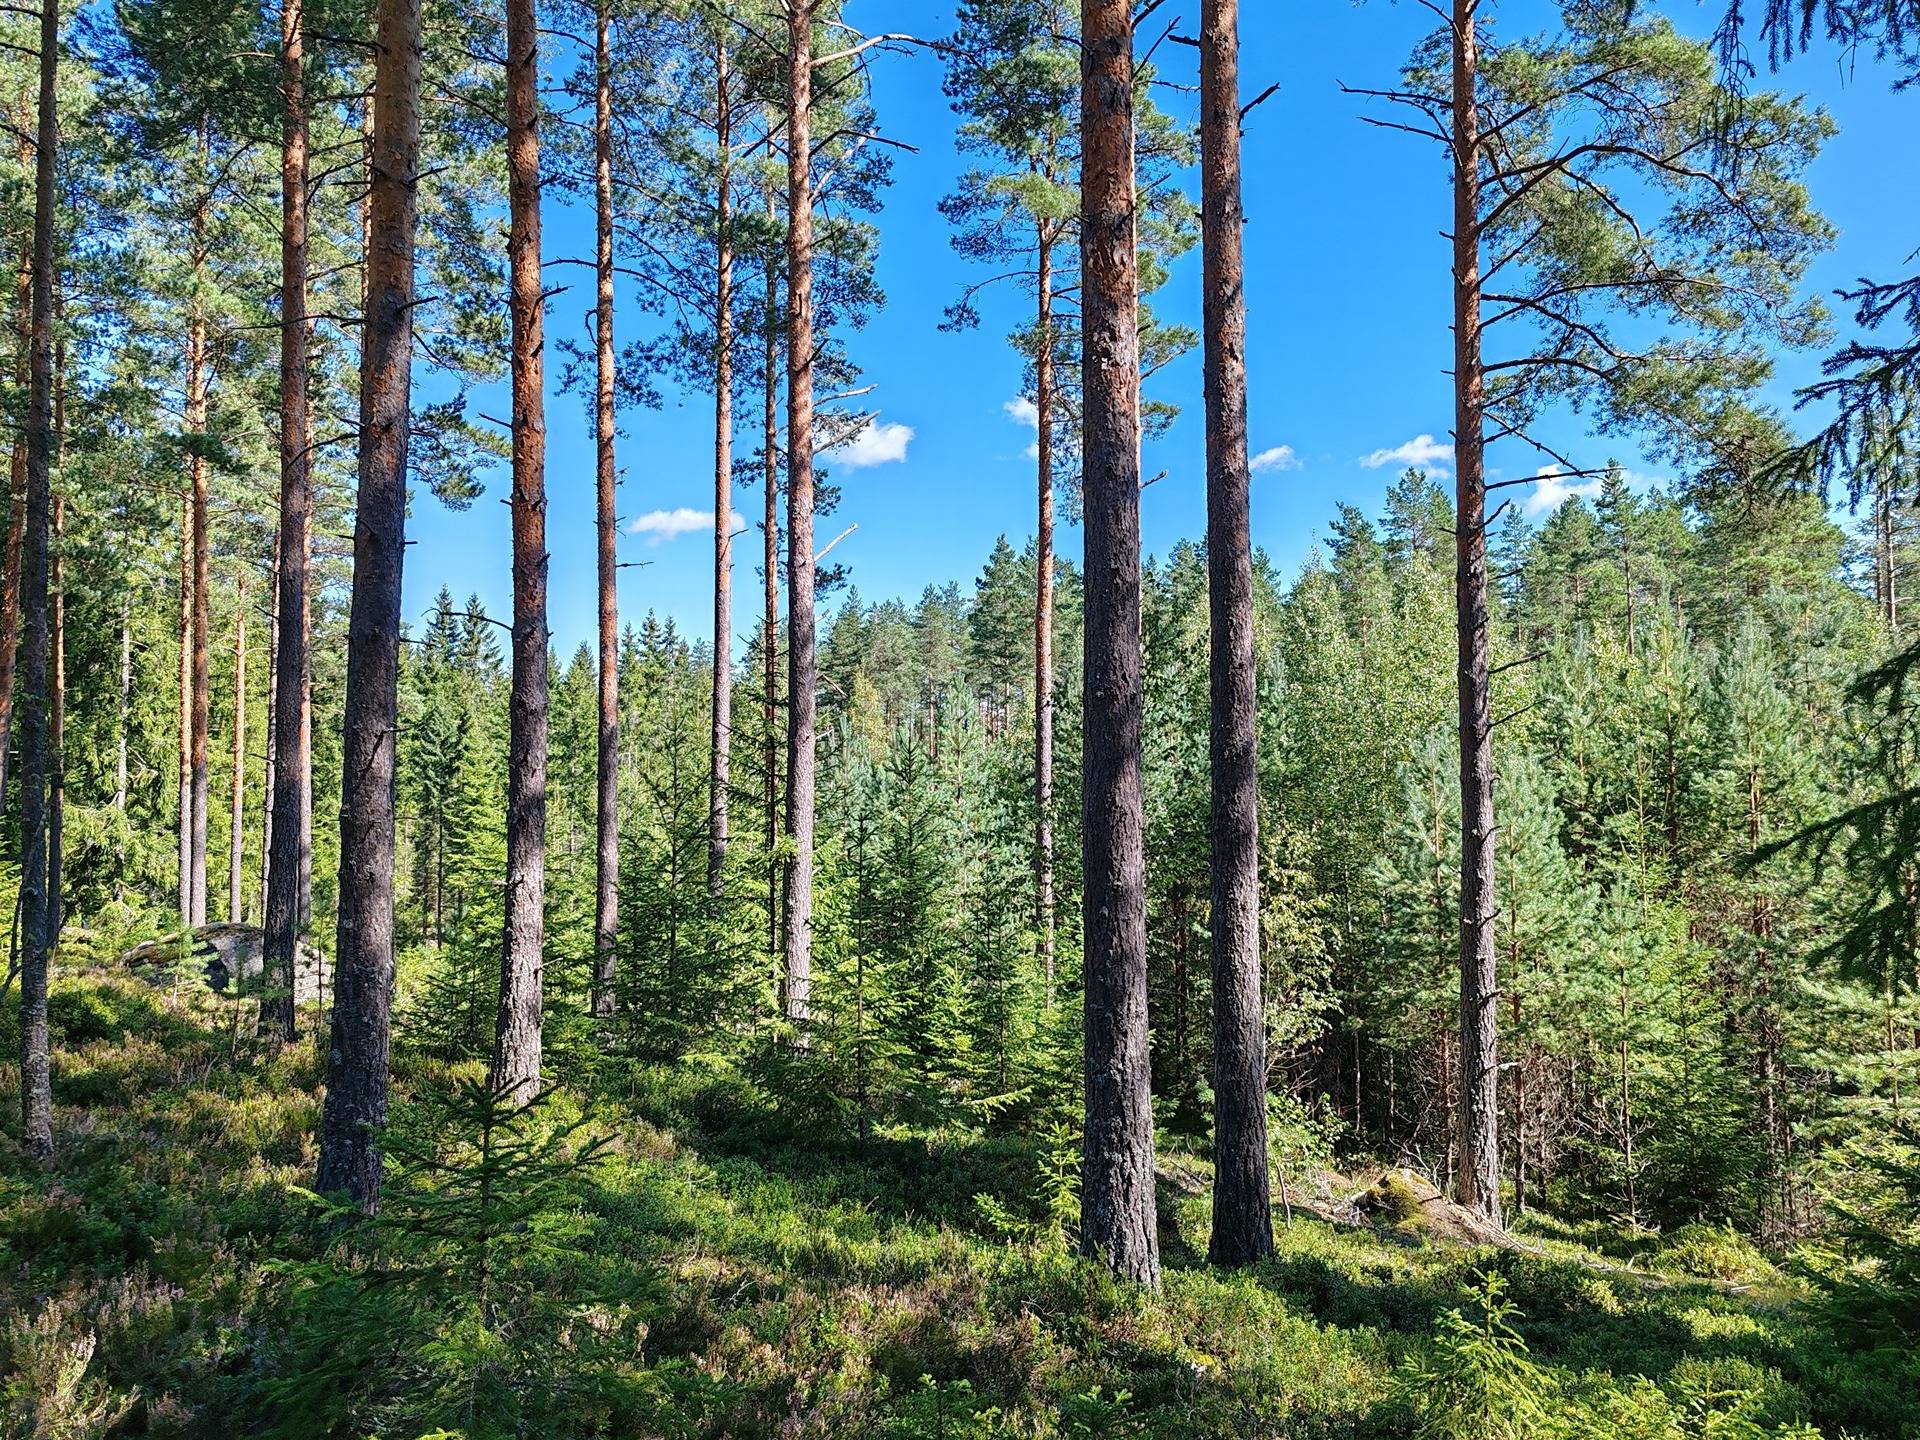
[288, 854]
[36, 758]
[272, 720]
[1117, 1197]
[1242, 1200]
[185, 756]
[357, 1062]
[199, 713]
[722, 767]
[1044, 387]
[57, 689]
[802, 660]
[516, 1041]
[236, 795]
[17, 499]
[606, 894]
[770, 595]
[1477, 1181]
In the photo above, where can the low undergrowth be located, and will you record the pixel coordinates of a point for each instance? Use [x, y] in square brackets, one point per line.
[672, 1261]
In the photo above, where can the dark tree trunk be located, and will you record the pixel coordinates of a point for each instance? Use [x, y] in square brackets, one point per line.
[606, 894]
[357, 1069]
[721, 771]
[1478, 1181]
[1242, 1200]
[797, 981]
[516, 1047]
[1117, 1195]
[289, 857]
[1043, 399]
[37, 762]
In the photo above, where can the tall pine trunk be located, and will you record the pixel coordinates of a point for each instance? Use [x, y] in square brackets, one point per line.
[185, 679]
[606, 893]
[123, 735]
[1478, 1181]
[272, 720]
[802, 661]
[770, 593]
[36, 759]
[236, 798]
[1242, 1202]
[57, 641]
[16, 504]
[1117, 1196]
[289, 857]
[357, 1074]
[199, 719]
[516, 1044]
[1044, 387]
[57, 701]
[721, 769]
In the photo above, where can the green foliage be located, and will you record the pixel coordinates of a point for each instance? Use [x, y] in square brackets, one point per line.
[469, 1303]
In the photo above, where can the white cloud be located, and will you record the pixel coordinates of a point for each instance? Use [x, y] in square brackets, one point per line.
[1551, 490]
[1423, 452]
[660, 526]
[1023, 411]
[877, 444]
[1280, 457]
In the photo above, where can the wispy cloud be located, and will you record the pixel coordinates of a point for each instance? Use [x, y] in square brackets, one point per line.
[660, 526]
[880, 443]
[1280, 457]
[1423, 452]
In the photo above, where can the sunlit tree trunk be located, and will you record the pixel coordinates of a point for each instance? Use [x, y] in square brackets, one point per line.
[606, 900]
[1242, 1202]
[1478, 1180]
[802, 664]
[721, 769]
[37, 763]
[357, 1072]
[237, 811]
[516, 1049]
[290, 774]
[770, 594]
[1117, 1217]
[1044, 388]
[197, 471]
[17, 503]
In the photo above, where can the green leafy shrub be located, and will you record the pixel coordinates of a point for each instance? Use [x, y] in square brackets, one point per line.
[1713, 1252]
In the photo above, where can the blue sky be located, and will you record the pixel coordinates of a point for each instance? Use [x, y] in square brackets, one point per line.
[1347, 291]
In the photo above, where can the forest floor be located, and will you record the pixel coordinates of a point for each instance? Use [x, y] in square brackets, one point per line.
[907, 1284]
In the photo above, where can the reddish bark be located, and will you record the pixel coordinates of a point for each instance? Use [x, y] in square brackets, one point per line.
[1117, 1213]
[606, 902]
[517, 1037]
[1242, 1202]
[357, 1072]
